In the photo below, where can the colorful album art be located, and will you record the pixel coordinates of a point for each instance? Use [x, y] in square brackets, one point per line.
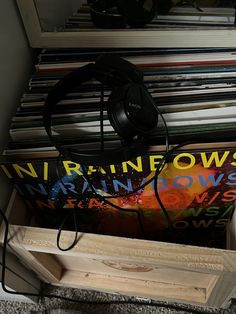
[197, 189]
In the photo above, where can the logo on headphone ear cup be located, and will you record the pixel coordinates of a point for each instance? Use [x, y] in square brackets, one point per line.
[131, 111]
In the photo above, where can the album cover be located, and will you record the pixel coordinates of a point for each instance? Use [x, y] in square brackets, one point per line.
[196, 186]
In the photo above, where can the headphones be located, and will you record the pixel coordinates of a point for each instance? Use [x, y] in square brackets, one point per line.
[119, 13]
[131, 110]
[136, 13]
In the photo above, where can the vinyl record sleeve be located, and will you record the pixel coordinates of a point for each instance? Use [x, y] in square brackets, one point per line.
[197, 188]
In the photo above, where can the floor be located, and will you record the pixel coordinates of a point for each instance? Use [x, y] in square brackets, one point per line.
[56, 306]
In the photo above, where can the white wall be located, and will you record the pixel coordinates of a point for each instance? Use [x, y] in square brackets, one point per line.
[15, 68]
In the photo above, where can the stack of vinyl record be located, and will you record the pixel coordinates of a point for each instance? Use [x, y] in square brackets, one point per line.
[195, 89]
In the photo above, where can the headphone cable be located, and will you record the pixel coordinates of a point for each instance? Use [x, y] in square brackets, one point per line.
[104, 199]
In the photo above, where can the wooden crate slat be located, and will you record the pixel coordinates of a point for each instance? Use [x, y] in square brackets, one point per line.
[138, 287]
[100, 246]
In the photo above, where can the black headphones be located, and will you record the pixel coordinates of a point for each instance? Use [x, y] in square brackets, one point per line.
[119, 13]
[131, 110]
[136, 13]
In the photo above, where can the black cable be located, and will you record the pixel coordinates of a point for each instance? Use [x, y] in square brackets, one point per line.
[160, 168]
[60, 156]
[103, 199]
[101, 118]
[60, 231]
[91, 302]
[164, 159]
[164, 210]
[154, 179]
[102, 135]
[167, 137]
[100, 197]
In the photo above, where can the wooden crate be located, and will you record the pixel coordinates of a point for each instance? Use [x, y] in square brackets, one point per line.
[148, 269]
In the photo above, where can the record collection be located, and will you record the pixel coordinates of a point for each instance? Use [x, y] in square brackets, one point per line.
[195, 91]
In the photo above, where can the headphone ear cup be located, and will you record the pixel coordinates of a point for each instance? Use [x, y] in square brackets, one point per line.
[103, 18]
[137, 12]
[131, 111]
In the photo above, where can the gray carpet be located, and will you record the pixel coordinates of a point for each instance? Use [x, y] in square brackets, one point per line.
[56, 306]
